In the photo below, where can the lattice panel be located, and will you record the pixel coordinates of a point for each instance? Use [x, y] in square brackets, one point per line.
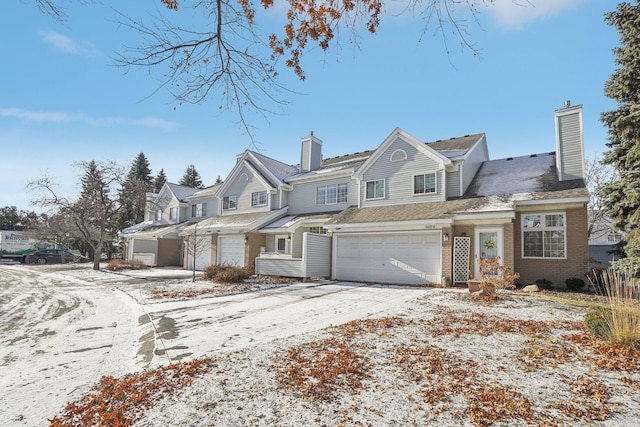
[461, 254]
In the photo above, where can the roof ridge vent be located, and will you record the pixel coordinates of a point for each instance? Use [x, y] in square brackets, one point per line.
[534, 155]
[509, 158]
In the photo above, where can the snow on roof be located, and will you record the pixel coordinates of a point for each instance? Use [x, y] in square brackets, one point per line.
[181, 192]
[516, 175]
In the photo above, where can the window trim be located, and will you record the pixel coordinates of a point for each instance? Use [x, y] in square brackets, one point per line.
[384, 189]
[542, 228]
[229, 198]
[173, 213]
[159, 215]
[258, 194]
[198, 208]
[424, 175]
[287, 243]
[338, 199]
[398, 155]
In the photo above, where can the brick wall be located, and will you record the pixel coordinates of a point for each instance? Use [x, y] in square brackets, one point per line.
[556, 270]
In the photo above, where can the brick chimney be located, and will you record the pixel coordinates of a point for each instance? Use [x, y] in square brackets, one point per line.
[311, 153]
[569, 143]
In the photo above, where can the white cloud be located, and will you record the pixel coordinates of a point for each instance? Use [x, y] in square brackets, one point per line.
[64, 44]
[63, 117]
[516, 14]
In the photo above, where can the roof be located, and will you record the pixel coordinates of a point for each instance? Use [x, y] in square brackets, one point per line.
[240, 222]
[181, 192]
[278, 169]
[526, 174]
[147, 229]
[284, 223]
[463, 143]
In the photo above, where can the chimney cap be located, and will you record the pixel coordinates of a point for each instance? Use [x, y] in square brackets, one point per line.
[567, 103]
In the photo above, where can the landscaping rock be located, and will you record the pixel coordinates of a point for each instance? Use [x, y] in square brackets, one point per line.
[531, 288]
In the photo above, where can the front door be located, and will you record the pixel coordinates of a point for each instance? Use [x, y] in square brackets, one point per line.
[488, 245]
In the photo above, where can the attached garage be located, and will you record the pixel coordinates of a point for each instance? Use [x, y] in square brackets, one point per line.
[398, 258]
[231, 250]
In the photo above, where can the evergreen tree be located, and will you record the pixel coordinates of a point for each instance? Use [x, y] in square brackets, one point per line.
[160, 180]
[218, 180]
[133, 193]
[622, 197]
[191, 178]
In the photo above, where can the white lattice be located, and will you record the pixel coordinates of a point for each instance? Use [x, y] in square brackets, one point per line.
[461, 253]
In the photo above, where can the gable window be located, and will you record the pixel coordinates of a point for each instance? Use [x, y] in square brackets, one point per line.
[198, 210]
[259, 198]
[544, 235]
[375, 189]
[244, 177]
[424, 184]
[230, 203]
[173, 213]
[331, 194]
[398, 156]
[159, 215]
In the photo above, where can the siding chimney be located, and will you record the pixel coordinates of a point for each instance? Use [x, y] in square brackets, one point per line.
[569, 143]
[311, 153]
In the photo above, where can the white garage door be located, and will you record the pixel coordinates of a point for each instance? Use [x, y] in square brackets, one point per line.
[409, 258]
[203, 253]
[231, 250]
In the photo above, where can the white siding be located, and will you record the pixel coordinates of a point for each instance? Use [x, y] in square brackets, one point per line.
[317, 255]
[472, 163]
[243, 192]
[569, 154]
[303, 197]
[399, 175]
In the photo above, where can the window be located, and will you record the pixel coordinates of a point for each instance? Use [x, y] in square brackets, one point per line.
[424, 184]
[244, 177]
[159, 215]
[259, 198]
[398, 156]
[544, 235]
[317, 230]
[331, 194]
[375, 189]
[281, 245]
[229, 202]
[173, 213]
[614, 237]
[198, 210]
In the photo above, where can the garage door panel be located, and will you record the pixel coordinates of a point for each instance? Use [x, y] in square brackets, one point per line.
[392, 258]
[231, 250]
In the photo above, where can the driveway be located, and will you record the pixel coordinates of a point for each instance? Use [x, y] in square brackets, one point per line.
[62, 327]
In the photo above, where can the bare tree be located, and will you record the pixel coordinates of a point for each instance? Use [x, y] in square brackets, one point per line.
[597, 175]
[92, 213]
[196, 245]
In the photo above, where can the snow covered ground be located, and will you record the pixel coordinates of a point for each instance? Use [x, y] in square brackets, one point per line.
[64, 326]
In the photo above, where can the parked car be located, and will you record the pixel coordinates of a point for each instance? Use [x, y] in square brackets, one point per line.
[52, 256]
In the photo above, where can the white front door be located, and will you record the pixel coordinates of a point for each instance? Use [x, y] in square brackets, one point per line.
[488, 245]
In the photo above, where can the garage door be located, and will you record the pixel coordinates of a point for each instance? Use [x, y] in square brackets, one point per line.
[203, 253]
[389, 258]
[231, 250]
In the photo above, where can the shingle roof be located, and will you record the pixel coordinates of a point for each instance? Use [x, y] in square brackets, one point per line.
[463, 143]
[181, 192]
[279, 169]
[525, 174]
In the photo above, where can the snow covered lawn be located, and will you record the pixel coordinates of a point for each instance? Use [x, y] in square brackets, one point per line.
[319, 353]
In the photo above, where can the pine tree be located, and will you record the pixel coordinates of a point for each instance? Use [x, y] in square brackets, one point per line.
[622, 197]
[160, 180]
[218, 180]
[191, 178]
[133, 193]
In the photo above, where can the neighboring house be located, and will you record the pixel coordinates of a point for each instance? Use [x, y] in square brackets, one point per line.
[157, 240]
[407, 212]
[602, 241]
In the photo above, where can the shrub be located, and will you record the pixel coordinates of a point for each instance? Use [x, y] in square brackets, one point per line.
[544, 284]
[494, 276]
[225, 274]
[574, 284]
[597, 322]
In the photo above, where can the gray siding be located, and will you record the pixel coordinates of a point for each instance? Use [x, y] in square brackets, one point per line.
[472, 163]
[243, 192]
[453, 184]
[303, 197]
[317, 255]
[398, 176]
[212, 206]
[569, 154]
[145, 246]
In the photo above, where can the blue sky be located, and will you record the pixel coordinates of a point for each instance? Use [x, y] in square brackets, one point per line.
[62, 99]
